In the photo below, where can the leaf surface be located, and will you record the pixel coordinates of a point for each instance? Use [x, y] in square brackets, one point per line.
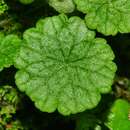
[63, 66]
[118, 118]
[62, 6]
[107, 16]
[9, 47]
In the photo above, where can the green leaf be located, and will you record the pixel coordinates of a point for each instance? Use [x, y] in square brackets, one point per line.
[9, 47]
[62, 6]
[9, 100]
[118, 118]
[107, 16]
[63, 66]
[26, 1]
[8, 96]
[3, 7]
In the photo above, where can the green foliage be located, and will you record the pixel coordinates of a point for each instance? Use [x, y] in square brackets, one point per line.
[8, 95]
[9, 25]
[8, 105]
[62, 6]
[9, 46]
[107, 16]
[119, 116]
[3, 7]
[62, 70]
[58, 68]
[16, 125]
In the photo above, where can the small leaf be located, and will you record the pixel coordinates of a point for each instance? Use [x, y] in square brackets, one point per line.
[107, 16]
[62, 6]
[118, 118]
[9, 47]
[63, 66]
[26, 1]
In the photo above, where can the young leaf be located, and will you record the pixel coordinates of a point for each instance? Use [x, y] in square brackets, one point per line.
[9, 47]
[62, 6]
[63, 66]
[119, 116]
[107, 16]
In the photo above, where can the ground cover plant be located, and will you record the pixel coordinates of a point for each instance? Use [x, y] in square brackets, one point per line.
[64, 64]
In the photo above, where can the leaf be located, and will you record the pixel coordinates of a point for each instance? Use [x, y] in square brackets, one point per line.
[26, 1]
[8, 100]
[118, 116]
[9, 47]
[3, 7]
[63, 66]
[62, 6]
[107, 16]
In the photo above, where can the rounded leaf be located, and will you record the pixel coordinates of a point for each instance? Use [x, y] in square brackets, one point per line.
[107, 16]
[62, 6]
[63, 66]
[119, 116]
